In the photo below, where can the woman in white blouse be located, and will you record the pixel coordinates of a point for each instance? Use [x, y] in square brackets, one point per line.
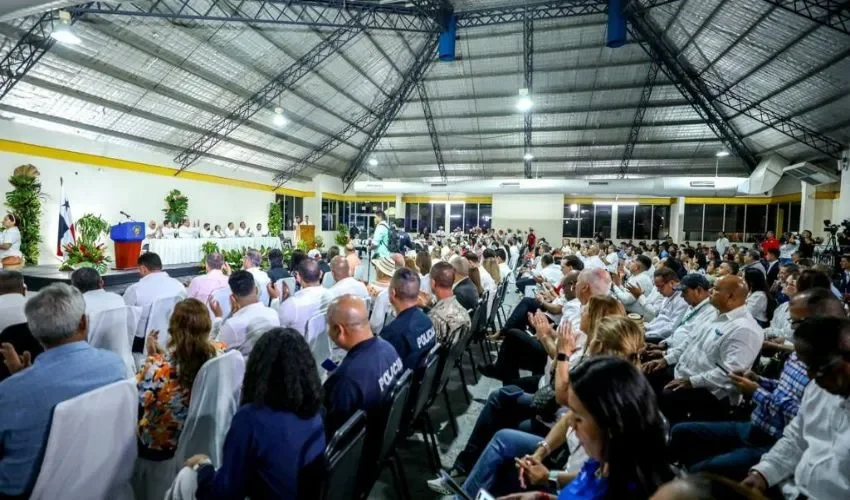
[758, 303]
[10, 244]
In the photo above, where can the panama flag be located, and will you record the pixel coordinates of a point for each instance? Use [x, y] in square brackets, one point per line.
[66, 224]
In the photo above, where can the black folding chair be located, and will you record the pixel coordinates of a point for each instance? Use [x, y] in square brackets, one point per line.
[477, 319]
[480, 331]
[335, 475]
[381, 437]
[424, 380]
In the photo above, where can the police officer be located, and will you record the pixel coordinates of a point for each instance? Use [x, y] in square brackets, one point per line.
[411, 332]
[368, 371]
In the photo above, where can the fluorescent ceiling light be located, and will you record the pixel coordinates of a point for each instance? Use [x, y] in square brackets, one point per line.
[373, 162]
[64, 34]
[617, 203]
[524, 103]
[528, 157]
[278, 118]
[574, 207]
[721, 154]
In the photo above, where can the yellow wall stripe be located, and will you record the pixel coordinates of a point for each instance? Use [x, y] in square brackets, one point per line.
[135, 166]
[642, 201]
[357, 197]
[443, 197]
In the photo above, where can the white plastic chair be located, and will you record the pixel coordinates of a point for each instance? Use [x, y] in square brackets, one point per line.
[316, 335]
[290, 282]
[91, 447]
[328, 280]
[222, 296]
[215, 398]
[263, 295]
[108, 330]
[160, 315]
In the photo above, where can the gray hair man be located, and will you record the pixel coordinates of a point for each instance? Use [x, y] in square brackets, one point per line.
[68, 367]
[88, 281]
[203, 286]
[251, 263]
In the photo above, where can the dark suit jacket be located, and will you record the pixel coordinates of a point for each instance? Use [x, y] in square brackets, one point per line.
[22, 340]
[772, 272]
[466, 293]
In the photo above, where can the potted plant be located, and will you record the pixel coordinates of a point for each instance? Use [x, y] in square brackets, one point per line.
[176, 207]
[87, 251]
[24, 200]
[341, 237]
[275, 219]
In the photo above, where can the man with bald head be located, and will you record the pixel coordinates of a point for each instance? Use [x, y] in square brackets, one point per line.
[343, 282]
[369, 370]
[464, 289]
[411, 332]
[701, 389]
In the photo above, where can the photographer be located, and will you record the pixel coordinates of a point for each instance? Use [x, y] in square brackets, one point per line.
[807, 245]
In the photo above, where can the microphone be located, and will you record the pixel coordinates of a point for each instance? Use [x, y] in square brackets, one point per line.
[125, 214]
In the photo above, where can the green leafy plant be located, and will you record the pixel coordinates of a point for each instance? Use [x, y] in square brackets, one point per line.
[24, 201]
[302, 245]
[233, 258]
[90, 227]
[341, 236]
[275, 219]
[176, 206]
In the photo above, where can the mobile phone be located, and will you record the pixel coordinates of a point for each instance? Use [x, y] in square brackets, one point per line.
[725, 370]
[329, 365]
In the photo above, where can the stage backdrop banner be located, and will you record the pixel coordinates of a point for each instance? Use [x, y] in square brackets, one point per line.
[188, 251]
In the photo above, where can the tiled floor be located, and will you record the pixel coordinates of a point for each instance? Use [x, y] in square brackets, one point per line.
[412, 451]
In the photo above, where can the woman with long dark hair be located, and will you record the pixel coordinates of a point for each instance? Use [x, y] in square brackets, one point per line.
[758, 302]
[619, 425]
[277, 431]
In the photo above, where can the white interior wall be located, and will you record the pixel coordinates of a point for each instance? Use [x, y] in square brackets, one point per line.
[543, 212]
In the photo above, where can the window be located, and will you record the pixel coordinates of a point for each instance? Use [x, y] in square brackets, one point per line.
[734, 225]
[425, 218]
[586, 223]
[439, 216]
[713, 222]
[570, 229]
[756, 221]
[289, 212]
[643, 222]
[455, 216]
[693, 222]
[660, 221]
[625, 222]
[485, 215]
[772, 211]
[329, 215]
[793, 217]
[411, 217]
[345, 213]
[470, 216]
[603, 222]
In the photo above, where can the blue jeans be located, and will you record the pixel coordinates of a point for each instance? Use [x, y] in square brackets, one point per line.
[724, 448]
[494, 471]
[506, 408]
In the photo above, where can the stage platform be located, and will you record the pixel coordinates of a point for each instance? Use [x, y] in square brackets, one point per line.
[38, 277]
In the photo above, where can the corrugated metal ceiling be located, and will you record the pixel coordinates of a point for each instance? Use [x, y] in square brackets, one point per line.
[155, 84]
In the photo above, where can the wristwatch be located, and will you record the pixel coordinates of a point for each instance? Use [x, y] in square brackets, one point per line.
[553, 479]
[545, 445]
[562, 356]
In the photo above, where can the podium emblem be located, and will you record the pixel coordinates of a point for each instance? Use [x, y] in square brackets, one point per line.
[137, 230]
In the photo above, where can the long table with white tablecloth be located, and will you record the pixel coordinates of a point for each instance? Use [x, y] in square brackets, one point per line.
[186, 251]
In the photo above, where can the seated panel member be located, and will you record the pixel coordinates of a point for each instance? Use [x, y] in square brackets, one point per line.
[367, 373]
[411, 332]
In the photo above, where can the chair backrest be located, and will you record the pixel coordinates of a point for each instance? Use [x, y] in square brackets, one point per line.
[134, 317]
[215, 398]
[397, 402]
[479, 314]
[328, 280]
[160, 315]
[222, 296]
[108, 330]
[91, 448]
[290, 283]
[423, 382]
[316, 335]
[342, 458]
[263, 295]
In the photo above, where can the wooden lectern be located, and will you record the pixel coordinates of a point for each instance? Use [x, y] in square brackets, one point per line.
[306, 233]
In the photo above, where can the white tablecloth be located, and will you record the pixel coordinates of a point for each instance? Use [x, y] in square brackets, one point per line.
[188, 251]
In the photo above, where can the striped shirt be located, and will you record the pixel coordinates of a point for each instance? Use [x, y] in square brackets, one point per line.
[777, 401]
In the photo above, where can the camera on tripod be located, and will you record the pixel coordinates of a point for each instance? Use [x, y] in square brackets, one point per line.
[832, 229]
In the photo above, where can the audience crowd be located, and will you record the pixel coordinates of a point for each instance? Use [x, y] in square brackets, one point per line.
[639, 370]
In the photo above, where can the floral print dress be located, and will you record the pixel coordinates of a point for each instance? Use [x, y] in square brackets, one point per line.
[163, 402]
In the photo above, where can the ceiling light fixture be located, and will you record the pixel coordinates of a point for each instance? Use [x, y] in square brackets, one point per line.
[278, 118]
[721, 154]
[373, 162]
[574, 207]
[524, 103]
[528, 157]
[62, 32]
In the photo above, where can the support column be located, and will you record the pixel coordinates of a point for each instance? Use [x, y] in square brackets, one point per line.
[677, 220]
[615, 211]
[843, 204]
[807, 207]
[399, 211]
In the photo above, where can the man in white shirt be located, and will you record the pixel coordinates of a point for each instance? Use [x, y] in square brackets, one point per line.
[592, 260]
[752, 258]
[251, 263]
[311, 300]
[12, 299]
[206, 231]
[259, 232]
[701, 389]
[203, 286]
[695, 291]
[152, 231]
[672, 307]
[88, 281]
[155, 283]
[549, 272]
[230, 230]
[242, 231]
[640, 279]
[514, 257]
[722, 244]
[186, 231]
[504, 268]
[815, 447]
[248, 319]
[345, 284]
